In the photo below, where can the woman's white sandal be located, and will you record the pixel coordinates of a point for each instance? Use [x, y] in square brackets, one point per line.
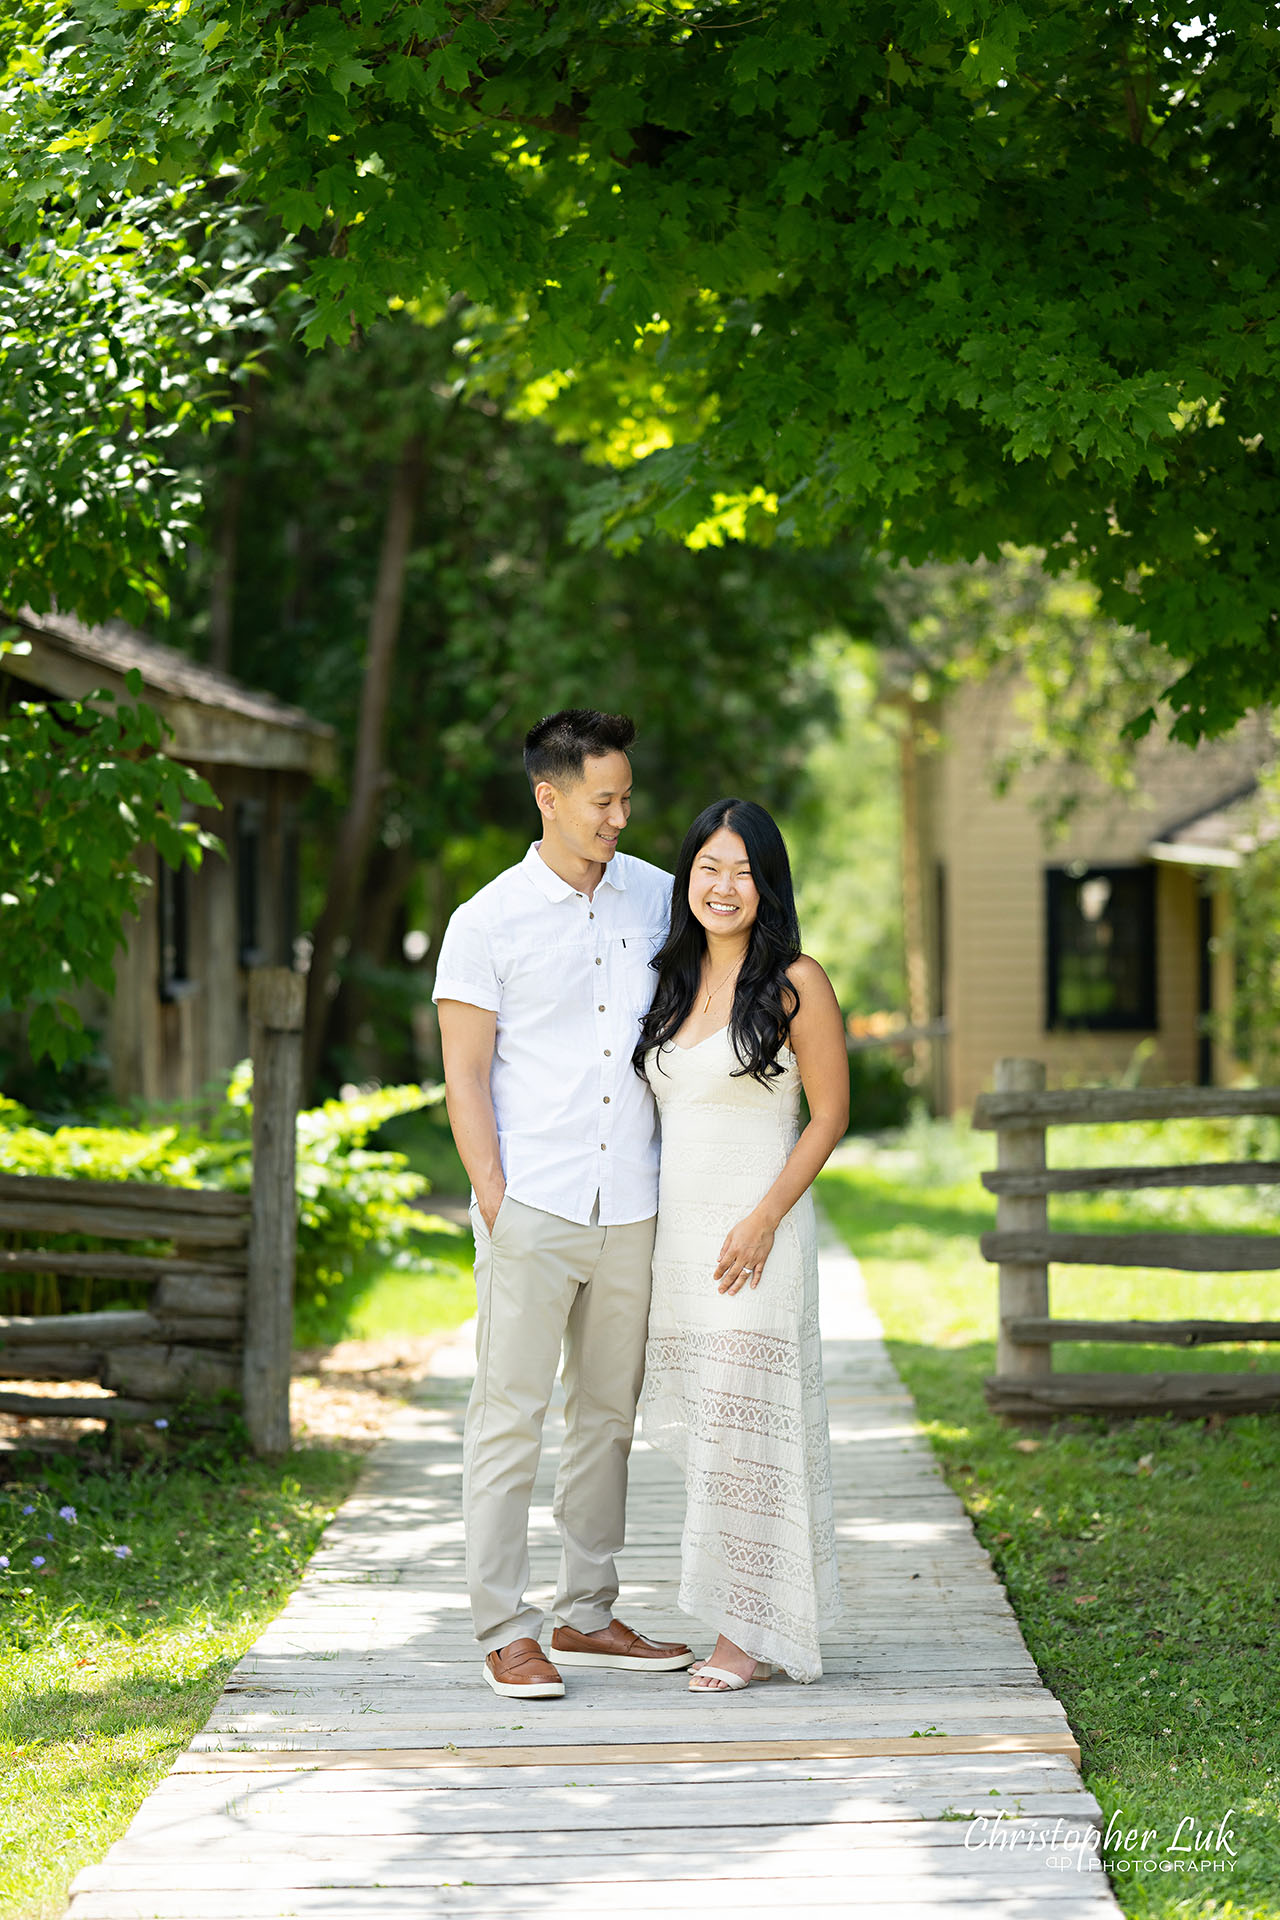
[730, 1682]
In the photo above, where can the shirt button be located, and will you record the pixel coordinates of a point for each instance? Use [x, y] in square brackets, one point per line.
[603, 1148]
[599, 1009]
[591, 916]
[608, 1052]
[599, 961]
[606, 1099]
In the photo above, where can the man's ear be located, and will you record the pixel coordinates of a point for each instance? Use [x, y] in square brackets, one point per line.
[545, 797]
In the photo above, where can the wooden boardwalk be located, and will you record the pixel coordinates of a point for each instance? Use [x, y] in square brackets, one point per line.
[356, 1765]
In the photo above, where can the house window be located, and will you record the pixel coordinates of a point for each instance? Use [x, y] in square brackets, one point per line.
[173, 914]
[249, 882]
[1101, 948]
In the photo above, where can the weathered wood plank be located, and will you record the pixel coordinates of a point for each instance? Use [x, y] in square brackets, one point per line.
[123, 1223]
[1184, 1252]
[198, 1293]
[125, 1193]
[1167, 1333]
[162, 1373]
[895, 1893]
[1096, 1106]
[277, 1000]
[97, 1330]
[1221, 1173]
[72, 1407]
[165, 1268]
[1023, 1283]
[1122, 1393]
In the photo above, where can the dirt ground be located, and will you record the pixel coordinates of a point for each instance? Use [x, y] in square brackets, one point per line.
[341, 1396]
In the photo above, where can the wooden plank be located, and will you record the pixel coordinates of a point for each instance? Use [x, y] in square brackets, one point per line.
[98, 1330]
[1023, 1284]
[1100, 1106]
[1219, 1173]
[199, 1292]
[125, 1193]
[1123, 1393]
[123, 1223]
[277, 1000]
[1168, 1333]
[894, 1891]
[70, 1407]
[1184, 1252]
[164, 1268]
[63, 1362]
[162, 1373]
[617, 1753]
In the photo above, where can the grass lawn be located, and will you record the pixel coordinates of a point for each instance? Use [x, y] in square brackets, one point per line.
[119, 1630]
[428, 1290]
[117, 1633]
[1143, 1560]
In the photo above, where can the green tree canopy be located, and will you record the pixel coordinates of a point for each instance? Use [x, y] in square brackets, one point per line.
[952, 274]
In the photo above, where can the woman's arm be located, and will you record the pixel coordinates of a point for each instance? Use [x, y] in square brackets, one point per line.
[818, 1042]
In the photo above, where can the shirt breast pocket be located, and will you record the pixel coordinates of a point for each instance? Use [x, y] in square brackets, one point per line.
[638, 979]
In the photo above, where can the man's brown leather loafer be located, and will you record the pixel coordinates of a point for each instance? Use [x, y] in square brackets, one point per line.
[620, 1647]
[522, 1671]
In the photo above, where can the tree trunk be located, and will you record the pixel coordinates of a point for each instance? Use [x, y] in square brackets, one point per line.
[377, 927]
[222, 586]
[355, 836]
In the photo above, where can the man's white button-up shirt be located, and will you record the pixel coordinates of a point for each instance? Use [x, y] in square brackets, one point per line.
[569, 979]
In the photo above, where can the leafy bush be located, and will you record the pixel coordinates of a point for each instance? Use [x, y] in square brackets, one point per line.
[351, 1200]
[879, 1096]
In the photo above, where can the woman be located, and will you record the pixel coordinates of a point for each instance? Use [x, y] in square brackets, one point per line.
[741, 1021]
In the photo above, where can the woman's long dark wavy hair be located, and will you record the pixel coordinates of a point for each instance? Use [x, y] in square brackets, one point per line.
[764, 1000]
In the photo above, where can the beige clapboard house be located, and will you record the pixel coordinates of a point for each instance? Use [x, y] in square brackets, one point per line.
[179, 1015]
[1102, 951]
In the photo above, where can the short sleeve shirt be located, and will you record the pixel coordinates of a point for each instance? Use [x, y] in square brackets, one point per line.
[569, 979]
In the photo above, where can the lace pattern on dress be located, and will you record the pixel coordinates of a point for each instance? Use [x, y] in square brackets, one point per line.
[733, 1385]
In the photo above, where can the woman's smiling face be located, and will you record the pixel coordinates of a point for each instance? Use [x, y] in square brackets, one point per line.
[722, 893]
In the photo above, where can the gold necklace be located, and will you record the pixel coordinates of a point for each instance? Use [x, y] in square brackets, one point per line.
[729, 976]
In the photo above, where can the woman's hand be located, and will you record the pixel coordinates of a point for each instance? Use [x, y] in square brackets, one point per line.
[746, 1248]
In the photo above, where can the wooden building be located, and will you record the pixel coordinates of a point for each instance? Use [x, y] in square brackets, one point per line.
[179, 1016]
[1078, 948]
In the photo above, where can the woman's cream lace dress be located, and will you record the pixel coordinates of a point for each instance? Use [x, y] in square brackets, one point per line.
[733, 1382]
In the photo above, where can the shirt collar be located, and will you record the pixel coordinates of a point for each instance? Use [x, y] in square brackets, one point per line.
[553, 888]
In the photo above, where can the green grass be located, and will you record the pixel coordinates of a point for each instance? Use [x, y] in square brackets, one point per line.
[426, 1141]
[1143, 1559]
[428, 1289]
[112, 1660]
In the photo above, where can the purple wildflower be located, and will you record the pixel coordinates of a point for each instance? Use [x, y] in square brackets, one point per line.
[162, 1424]
[4, 1559]
[28, 1509]
[37, 1560]
[68, 1514]
[122, 1553]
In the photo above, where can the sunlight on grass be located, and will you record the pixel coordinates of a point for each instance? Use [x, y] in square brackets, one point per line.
[1143, 1559]
[119, 1632]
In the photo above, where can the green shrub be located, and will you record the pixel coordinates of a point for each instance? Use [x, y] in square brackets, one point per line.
[351, 1200]
[879, 1096]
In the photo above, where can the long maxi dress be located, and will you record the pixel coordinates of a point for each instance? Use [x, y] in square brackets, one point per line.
[733, 1382]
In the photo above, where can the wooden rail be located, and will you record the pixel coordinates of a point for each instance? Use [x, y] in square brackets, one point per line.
[219, 1319]
[1024, 1386]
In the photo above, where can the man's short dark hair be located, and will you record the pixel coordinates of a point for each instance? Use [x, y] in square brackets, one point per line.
[558, 747]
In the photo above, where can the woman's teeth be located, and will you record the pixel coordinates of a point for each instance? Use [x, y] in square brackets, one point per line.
[717, 908]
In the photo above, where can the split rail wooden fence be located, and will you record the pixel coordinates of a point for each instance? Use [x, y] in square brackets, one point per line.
[1024, 1386]
[219, 1320]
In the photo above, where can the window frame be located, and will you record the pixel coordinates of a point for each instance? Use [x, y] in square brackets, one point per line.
[1144, 1017]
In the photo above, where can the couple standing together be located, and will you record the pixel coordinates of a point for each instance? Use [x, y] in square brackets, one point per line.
[585, 1101]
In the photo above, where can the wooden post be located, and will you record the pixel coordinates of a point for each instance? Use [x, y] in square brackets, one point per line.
[277, 999]
[1024, 1289]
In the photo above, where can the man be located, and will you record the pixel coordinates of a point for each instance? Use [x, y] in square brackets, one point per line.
[542, 981]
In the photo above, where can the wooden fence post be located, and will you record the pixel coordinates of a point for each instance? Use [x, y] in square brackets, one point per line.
[277, 999]
[1023, 1288]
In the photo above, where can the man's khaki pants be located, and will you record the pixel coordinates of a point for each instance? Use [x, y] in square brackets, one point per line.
[543, 1283]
